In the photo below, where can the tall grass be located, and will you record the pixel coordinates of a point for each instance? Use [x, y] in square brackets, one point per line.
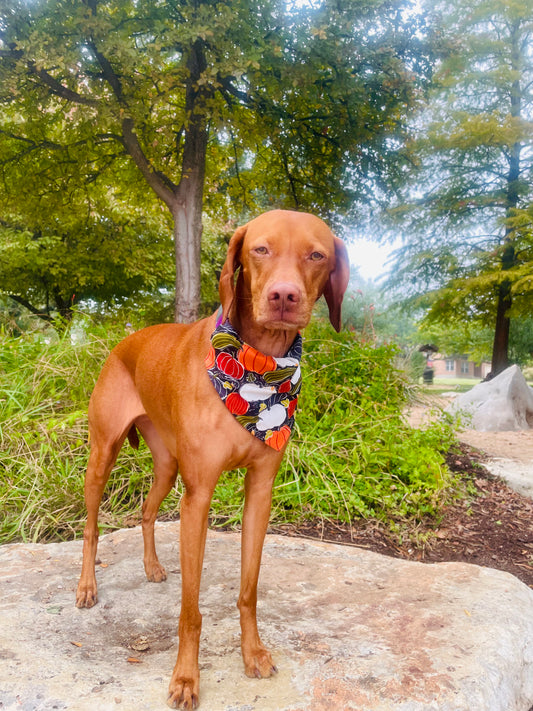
[351, 455]
[44, 391]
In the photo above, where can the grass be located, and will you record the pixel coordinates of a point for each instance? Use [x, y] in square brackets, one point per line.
[352, 454]
[444, 385]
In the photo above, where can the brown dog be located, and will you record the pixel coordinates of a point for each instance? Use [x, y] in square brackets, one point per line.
[156, 381]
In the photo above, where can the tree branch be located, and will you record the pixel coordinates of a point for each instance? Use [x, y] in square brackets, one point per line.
[59, 89]
[37, 312]
[163, 187]
[51, 82]
[231, 90]
[109, 74]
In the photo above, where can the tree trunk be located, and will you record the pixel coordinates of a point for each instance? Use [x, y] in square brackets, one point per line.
[500, 348]
[185, 200]
[187, 239]
[187, 210]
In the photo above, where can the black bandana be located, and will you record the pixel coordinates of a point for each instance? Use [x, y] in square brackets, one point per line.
[259, 390]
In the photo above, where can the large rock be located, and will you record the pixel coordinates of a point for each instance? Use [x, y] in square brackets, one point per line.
[349, 629]
[503, 403]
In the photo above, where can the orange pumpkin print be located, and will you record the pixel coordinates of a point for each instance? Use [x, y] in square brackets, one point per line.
[210, 358]
[259, 390]
[292, 407]
[285, 387]
[278, 439]
[254, 360]
[230, 366]
[236, 404]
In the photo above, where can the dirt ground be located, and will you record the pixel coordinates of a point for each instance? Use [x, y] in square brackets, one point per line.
[492, 528]
[517, 446]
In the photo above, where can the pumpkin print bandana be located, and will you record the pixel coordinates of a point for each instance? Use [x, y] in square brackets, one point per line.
[260, 391]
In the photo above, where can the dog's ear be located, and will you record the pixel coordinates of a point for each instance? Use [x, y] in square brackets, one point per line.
[226, 285]
[337, 283]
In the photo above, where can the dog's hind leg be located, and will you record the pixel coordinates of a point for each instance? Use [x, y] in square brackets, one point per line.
[113, 407]
[165, 473]
[101, 461]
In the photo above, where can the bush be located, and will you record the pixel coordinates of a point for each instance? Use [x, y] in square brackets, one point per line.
[351, 455]
[45, 386]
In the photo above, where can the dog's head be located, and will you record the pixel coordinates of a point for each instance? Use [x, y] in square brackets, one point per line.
[285, 261]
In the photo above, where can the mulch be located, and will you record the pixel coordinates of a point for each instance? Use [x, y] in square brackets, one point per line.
[492, 527]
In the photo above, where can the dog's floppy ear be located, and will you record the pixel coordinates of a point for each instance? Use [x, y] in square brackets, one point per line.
[337, 283]
[226, 285]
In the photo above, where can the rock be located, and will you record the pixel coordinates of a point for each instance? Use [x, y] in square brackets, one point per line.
[503, 403]
[349, 629]
[517, 475]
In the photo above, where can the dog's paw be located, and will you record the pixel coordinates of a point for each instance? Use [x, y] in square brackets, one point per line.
[155, 573]
[183, 693]
[259, 664]
[86, 594]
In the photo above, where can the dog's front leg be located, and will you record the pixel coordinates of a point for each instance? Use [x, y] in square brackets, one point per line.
[258, 497]
[185, 681]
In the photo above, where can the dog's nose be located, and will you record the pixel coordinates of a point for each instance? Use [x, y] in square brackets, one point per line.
[283, 295]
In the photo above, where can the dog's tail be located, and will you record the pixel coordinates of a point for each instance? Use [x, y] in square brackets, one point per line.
[133, 437]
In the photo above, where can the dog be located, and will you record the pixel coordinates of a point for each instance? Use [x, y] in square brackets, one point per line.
[211, 396]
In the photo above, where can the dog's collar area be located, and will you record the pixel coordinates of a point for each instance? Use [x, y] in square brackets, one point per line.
[259, 390]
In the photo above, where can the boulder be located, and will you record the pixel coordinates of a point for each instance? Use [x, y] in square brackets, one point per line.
[503, 403]
[348, 628]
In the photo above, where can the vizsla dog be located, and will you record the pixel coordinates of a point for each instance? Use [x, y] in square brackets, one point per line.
[163, 382]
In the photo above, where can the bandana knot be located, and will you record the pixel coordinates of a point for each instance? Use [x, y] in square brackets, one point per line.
[259, 390]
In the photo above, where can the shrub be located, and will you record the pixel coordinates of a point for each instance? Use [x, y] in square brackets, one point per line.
[44, 390]
[351, 455]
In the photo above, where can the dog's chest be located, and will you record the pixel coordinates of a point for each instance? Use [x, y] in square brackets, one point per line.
[260, 391]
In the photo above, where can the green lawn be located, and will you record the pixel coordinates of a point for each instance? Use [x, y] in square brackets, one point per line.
[442, 385]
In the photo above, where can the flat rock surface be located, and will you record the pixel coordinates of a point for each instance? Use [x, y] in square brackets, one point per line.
[349, 629]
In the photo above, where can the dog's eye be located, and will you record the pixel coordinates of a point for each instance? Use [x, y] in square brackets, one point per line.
[261, 250]
[316, 256]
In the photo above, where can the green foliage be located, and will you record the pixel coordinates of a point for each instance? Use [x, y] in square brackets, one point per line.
[467, 206]
[44, 389]
[215, 241]
[471, 339]
[50, 268]
[352, 453]
[250, 105]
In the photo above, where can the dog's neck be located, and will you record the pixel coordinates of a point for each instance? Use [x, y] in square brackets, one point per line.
[275, 342]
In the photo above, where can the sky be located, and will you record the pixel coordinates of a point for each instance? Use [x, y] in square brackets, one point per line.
[370, 257]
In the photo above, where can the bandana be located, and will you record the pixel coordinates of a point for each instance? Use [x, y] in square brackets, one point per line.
[260, 391]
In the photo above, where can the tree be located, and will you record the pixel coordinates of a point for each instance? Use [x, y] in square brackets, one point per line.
[49, 271]
[475, 340]
[469, 215]
[275, 104]
[72, 239]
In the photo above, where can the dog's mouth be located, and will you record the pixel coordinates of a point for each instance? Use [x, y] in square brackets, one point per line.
[283, 319]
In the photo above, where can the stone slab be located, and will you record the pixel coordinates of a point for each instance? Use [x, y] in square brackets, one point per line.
[349, 629]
